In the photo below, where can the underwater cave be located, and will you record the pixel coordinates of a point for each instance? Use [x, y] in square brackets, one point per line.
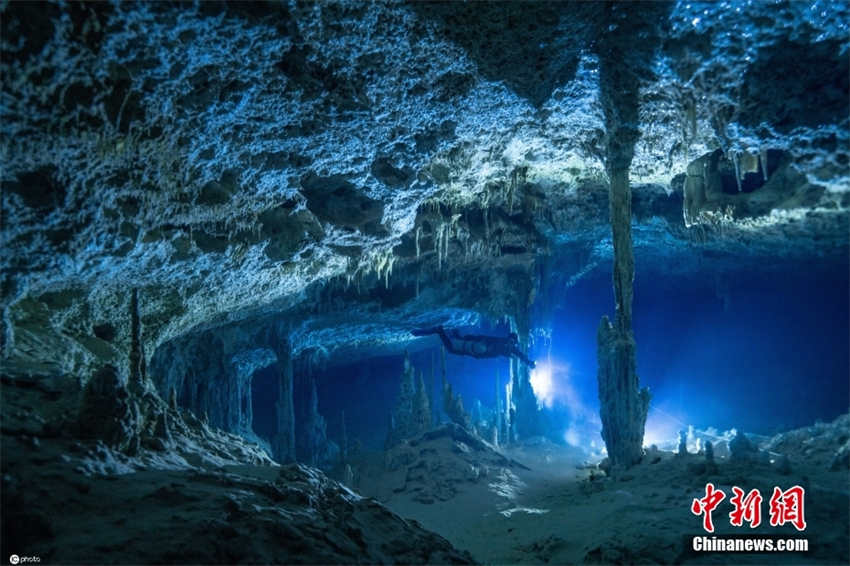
[425, 282]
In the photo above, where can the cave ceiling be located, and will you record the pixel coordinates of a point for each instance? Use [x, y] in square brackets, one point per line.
[341, 172]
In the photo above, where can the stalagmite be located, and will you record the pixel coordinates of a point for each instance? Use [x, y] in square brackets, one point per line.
[421, 407]
[623, 406]
[411, 415]
[683, 443]
[453, 406]
[316, 447]
[283, 443]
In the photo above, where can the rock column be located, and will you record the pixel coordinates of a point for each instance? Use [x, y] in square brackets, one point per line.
[626, 52]
[622, 405]
[283, 443]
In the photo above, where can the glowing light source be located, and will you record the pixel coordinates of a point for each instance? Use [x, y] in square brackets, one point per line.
[571, 437]
[542, 384]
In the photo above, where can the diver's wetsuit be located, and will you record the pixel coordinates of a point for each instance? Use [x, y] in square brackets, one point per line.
[476, 345]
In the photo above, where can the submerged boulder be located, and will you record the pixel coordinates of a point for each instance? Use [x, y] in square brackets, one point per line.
[742, 448]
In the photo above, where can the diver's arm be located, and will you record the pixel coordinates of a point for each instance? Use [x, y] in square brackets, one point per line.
[441, 333]
[529, 362]
[447, 340]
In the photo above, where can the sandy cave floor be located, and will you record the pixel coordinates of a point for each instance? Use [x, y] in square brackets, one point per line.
[555, 513]
[537, 504]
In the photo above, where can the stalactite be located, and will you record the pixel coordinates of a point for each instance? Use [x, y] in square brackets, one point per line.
[510, 196]
[624, 262]
[763, 163]
[438, 235]
[443, 362]
[736, 160]
[497, 417]
[137, 354]
[418, 234]
[446, 234]
[435, 413]
[343, 439]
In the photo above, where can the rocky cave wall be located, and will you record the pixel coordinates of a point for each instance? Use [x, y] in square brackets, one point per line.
[283, 178]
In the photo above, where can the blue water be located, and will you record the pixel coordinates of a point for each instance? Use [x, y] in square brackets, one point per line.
[763, 351]
[760, 351]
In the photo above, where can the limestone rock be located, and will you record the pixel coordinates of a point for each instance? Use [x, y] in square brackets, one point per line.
[742, 448]
[237, 206]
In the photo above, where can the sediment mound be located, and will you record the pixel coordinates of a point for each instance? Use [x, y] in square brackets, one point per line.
[438, 464]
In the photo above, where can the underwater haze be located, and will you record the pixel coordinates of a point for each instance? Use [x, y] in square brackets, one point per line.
[763, 350]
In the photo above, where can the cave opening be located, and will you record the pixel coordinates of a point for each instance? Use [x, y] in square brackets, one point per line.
[734, 180]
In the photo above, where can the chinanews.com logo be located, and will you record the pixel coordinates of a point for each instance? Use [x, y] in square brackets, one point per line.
[785, 507]
[15, 559]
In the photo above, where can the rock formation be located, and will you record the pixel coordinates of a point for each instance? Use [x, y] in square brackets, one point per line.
[623, 405]
[742, 448]
[411, 415]
[499, 425]
[453, 407]
[526, 419]
[421, 408]
[709, 451]
[312, 443]
[283, 443]
[683, 444]
[214, 237]
[193, 193]
[438, 465]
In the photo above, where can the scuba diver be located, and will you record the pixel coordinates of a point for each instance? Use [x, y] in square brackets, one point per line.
[476, 345]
